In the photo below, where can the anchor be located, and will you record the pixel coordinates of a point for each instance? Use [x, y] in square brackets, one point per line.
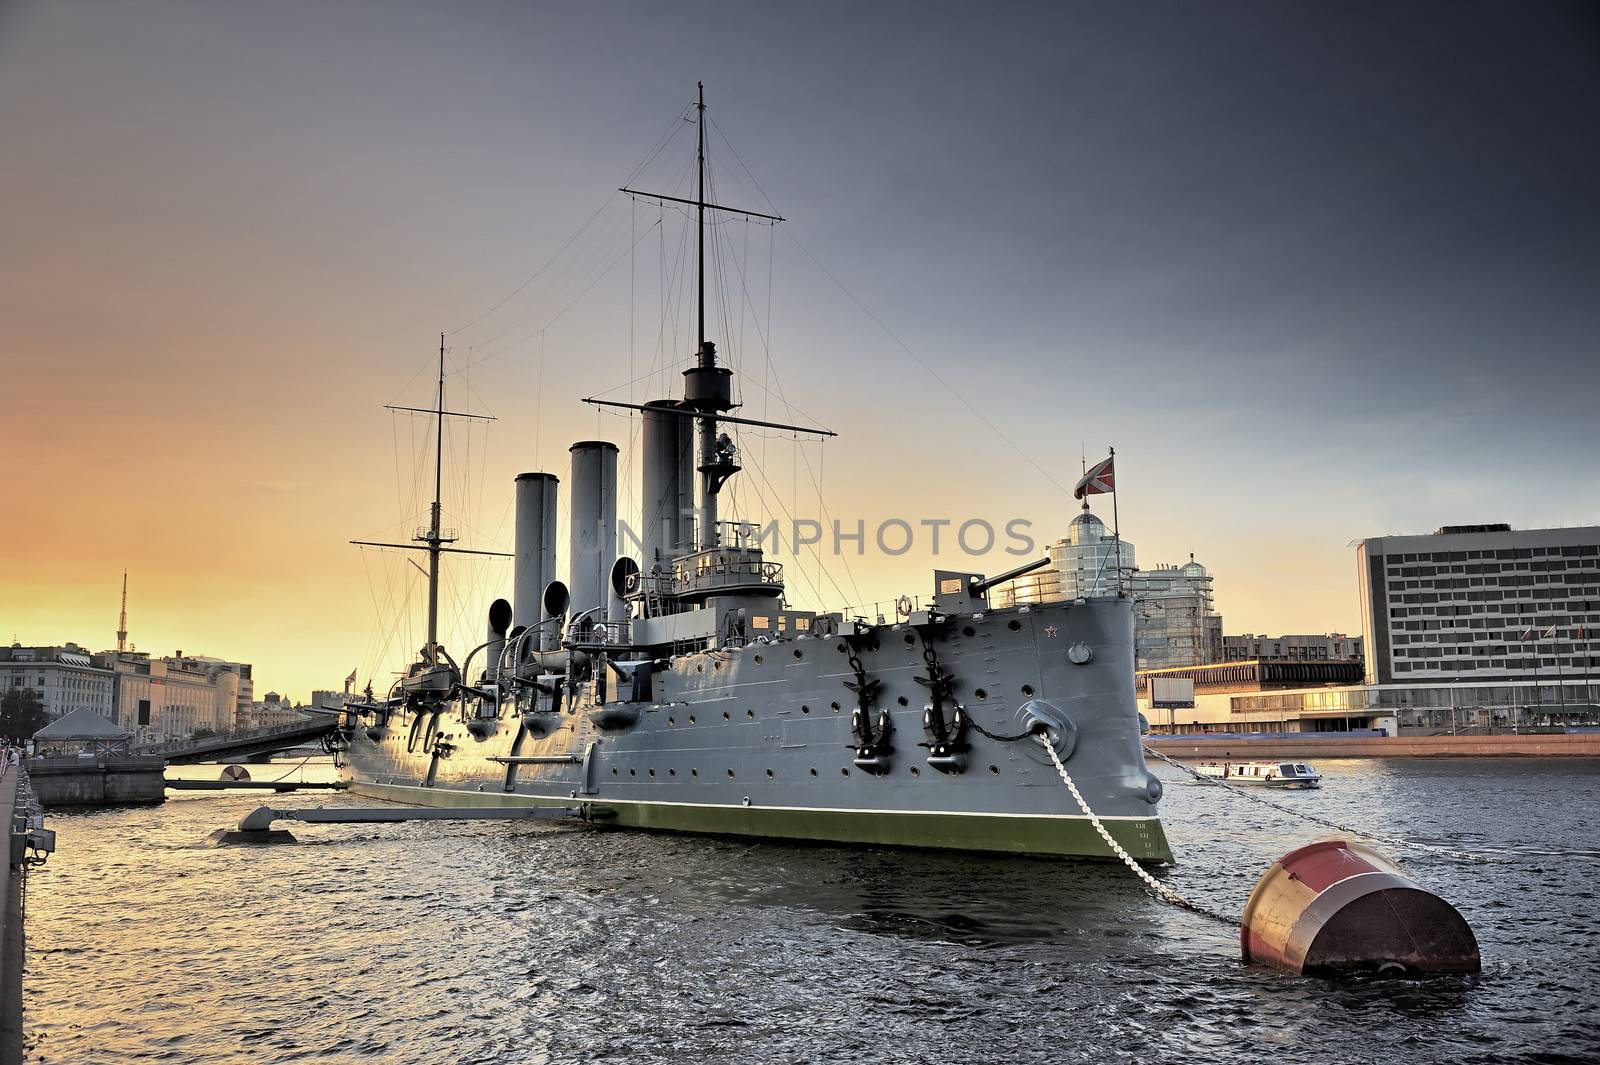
[946, 740]
[871, 744]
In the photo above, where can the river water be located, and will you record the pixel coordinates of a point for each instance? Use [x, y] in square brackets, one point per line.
[493, 942]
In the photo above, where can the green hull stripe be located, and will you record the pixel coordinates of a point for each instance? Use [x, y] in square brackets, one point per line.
[1143, 838]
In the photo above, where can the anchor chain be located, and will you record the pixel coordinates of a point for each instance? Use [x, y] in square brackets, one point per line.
[1160, 890]
[1463, 856]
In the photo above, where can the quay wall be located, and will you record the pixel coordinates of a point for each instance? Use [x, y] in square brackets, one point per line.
[12, 940]
[101, 781]
[1334, 745]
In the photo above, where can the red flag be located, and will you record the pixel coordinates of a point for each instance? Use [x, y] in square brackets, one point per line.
[1100, 479]
[1550, 632]
[1526, 636]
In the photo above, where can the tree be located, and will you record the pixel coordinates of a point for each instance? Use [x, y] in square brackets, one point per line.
[22, 713]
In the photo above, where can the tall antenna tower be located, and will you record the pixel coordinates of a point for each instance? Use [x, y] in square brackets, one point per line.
[122, 621]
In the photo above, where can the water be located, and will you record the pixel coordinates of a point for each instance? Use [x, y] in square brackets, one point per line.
[494, 942]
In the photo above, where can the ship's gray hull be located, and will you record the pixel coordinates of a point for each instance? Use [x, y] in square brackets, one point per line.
[756, 741]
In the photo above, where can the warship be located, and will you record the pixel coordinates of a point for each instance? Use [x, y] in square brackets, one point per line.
[682, 691]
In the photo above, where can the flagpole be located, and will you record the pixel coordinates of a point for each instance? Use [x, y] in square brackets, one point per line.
[1561, 687]
[1116, 521]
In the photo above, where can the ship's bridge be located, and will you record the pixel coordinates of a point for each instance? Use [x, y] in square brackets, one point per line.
[724, 571]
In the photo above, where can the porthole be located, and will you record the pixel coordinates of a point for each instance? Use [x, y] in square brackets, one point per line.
[725, 716]
[835, 707]
[652, 772]
[669, 722]
[981, 693]
[813, 770]
[730, 774]
[994, 770]
[910, 639]
[915, 771]
[968, 631]
[1027, 689]
[613, 772]
[1014, 625]
[700, 668]
[769, 774]
[694, 772]
[633, 772]
[845, 771]
[902, 701]
[842, 649]
[691, 719]
[672, 772]
[805, 709]
[759, 660]
[797, 654]
[716, 665]
[751, 714]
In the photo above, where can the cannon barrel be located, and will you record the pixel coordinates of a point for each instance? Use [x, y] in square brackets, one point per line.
[978, 587]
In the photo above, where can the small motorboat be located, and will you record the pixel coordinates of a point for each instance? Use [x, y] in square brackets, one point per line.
[1264, 774]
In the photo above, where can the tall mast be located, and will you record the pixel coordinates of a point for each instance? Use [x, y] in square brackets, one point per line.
[708, 391]
[700, 215]
[708, 355]
[433, 529]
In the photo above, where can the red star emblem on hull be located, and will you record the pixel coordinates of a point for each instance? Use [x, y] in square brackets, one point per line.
[1049, 630]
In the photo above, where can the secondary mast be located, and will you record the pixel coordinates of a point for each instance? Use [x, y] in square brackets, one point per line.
[434, 539]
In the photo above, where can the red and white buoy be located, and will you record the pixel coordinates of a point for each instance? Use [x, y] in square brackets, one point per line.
[1337, 906]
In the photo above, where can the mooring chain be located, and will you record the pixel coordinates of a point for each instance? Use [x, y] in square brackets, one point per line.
[998, 738]
[1160, 890]
[1446, 852]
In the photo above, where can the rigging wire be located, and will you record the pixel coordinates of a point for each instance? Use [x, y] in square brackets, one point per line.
[673, 129]
[931, 371]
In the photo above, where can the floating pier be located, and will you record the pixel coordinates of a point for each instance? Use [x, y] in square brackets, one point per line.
[256, 826]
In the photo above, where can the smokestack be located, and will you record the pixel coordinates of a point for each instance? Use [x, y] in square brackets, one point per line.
[592, 524]
[535, 563]
[667, 493]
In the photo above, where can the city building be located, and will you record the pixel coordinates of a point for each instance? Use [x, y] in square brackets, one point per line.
[1481, 602]
[1332, 647]
[1175, 620]
[66, 678]
[247, 693]
[1271, 695]
[274, 709]
[168, 698]
[1468, 629]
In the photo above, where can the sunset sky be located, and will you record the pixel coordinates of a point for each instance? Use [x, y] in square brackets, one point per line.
[1318, 272]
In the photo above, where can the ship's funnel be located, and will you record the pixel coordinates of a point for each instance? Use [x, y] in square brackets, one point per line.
[624, 581]
[667, 492]
[499, 624]
[535, 564]
[592, 524]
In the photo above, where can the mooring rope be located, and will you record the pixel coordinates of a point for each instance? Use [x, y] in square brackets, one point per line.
[1463, 856]
[1160, 890]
